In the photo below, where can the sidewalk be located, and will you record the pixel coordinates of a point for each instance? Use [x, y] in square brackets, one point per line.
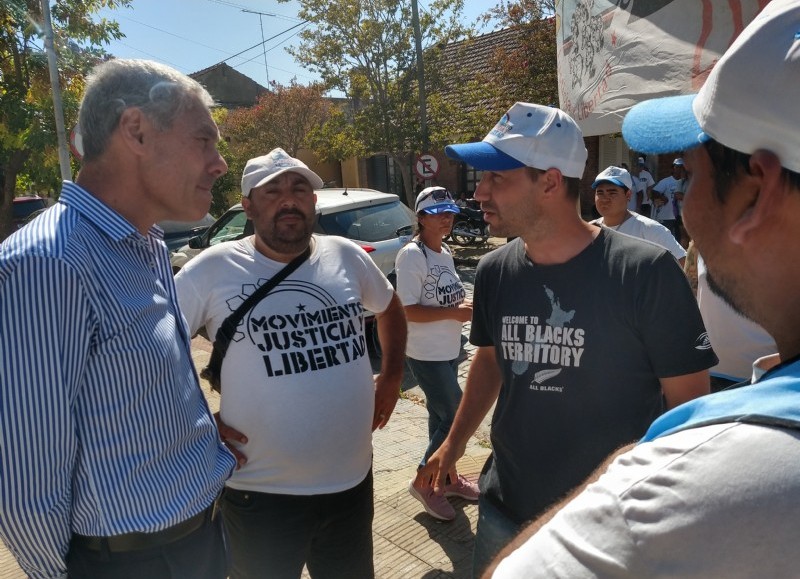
[408, 542]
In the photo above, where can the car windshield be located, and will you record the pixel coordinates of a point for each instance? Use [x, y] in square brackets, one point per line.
[227, 229]
[371, 224]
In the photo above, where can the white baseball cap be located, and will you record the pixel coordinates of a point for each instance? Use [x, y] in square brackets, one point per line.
[615, 175]
[433, 200]
[528, 135]
[749, 101]
[264, 169]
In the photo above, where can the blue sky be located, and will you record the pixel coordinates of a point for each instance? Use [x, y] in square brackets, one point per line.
[191, 35]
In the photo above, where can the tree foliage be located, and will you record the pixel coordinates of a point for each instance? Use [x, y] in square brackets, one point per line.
[529, 71]
[283, 117]
[365, 48]
[28, 143]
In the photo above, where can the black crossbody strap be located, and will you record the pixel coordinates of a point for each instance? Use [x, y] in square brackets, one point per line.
[227, 330]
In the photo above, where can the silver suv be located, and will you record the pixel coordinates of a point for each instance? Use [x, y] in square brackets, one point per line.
[377, 221]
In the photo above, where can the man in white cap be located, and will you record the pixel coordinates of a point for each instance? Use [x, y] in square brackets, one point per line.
[298, 401]
[612, 192]
[583, 335]
[711, 491]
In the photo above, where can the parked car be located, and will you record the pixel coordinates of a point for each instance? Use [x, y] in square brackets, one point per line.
[178, 233]
[24, 206]
[377, 221]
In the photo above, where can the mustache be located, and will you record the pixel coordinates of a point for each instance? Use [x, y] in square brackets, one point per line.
[293, 211]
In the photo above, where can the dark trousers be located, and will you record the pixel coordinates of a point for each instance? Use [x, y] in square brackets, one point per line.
[274, 535]
[200, 555]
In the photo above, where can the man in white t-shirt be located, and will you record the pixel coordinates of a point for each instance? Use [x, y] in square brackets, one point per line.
[612, 192]
[666, 193]
[299, 402]
[642, 189]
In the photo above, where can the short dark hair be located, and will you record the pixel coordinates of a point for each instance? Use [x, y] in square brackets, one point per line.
[573, 183]
[729, 164]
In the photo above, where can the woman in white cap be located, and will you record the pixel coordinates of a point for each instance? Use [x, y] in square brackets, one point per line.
[436, 308]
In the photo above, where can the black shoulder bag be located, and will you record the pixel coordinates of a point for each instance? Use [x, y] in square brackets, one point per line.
[227, 330]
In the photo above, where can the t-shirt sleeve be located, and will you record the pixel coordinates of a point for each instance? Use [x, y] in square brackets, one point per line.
[190, 301]
[672, 328]
[663, 237]
[410, 266]
[376, 290]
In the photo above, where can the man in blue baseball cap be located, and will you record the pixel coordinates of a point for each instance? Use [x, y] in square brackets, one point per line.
[711, 491]
[583, 335]
[612, 192]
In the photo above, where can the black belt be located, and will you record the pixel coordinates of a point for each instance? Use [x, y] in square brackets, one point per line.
[138, 541]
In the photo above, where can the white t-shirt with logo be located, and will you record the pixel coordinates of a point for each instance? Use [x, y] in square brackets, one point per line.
[429, 278]
[297, 379]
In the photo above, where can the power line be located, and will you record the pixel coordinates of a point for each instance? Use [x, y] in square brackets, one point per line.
[264, 42]
[246, 9]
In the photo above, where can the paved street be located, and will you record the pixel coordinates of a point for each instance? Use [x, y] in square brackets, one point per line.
[408, 542]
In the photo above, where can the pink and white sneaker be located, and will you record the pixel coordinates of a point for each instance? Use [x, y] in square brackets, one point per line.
[463, 488]
[436, 506]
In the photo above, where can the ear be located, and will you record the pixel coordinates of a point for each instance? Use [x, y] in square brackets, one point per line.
[553, 180]
[132, 127]
[764, 194]
[246, 206]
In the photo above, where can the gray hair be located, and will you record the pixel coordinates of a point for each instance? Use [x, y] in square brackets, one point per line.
[161, 92]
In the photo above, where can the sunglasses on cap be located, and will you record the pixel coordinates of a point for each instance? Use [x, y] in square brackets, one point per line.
[437, 195]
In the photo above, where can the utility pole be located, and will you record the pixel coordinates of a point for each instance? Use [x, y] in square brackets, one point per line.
[52, 61]
[263, 42]
[423, 107]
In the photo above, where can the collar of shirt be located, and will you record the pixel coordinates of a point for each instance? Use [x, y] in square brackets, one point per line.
[106, 219]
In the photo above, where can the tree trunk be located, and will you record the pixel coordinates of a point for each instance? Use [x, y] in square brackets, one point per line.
[9, 187]
[403, 162]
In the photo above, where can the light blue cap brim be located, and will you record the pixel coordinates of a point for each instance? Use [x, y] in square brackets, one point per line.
[445, 207]
[612, 180]
[663, 125]
[482, 156]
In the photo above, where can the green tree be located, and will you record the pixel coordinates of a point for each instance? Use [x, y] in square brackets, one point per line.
[28, 143]
[529, 71]
[225, 191]
[365, 48]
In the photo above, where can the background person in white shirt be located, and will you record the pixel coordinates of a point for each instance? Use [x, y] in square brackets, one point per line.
[436, 307]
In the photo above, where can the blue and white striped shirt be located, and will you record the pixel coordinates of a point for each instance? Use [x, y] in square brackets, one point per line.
[103, 426]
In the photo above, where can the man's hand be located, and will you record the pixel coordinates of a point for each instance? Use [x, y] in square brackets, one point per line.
[392, 338]
[229, 435]
[435, 472]
[386, 394]
[464, 312]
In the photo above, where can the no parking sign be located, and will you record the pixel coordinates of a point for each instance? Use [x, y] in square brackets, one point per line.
[426, 167]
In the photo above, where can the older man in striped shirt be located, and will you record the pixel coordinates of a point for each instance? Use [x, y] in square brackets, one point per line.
[110, 459]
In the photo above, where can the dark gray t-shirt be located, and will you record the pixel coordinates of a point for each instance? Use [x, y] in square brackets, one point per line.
[581, 346]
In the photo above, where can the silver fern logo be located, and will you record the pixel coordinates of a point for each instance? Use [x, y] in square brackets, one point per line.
[544, 375]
